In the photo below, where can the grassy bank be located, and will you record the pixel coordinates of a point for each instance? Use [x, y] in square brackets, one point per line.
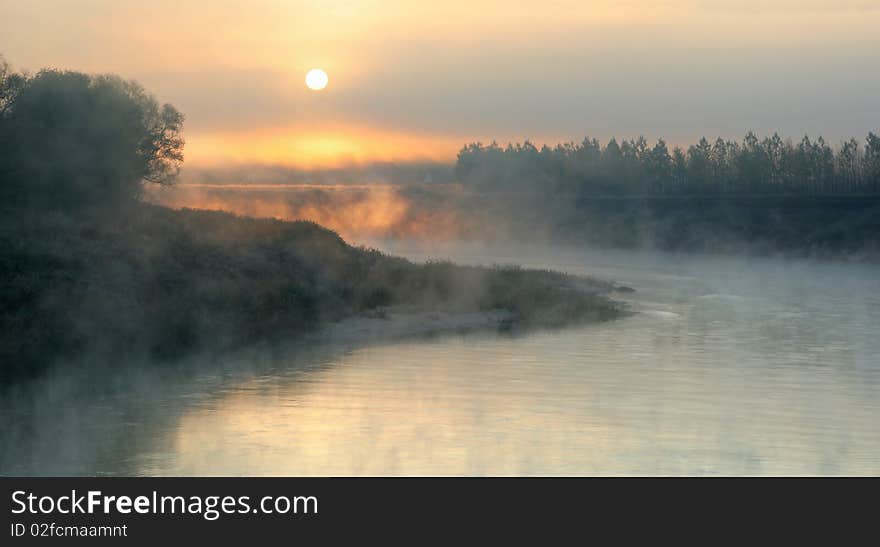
[162, 283]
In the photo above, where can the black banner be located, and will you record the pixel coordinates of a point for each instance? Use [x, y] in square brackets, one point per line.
[414, 510]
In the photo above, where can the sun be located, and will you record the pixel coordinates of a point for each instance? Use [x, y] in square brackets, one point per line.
[316, 79]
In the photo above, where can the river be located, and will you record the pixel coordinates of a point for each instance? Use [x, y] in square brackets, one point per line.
[728, 366]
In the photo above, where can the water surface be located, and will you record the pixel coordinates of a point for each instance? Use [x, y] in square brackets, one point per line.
[729, 366]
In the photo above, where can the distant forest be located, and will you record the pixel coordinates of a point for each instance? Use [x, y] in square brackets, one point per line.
[769, 166]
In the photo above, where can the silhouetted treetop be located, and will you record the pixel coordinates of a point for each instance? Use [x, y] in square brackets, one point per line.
[69, 139]
[633, 167]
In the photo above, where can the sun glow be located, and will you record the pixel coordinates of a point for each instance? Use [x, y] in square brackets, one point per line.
[318, 145]
[316, 79]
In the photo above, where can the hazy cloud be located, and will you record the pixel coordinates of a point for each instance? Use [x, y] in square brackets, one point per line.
[474, 70]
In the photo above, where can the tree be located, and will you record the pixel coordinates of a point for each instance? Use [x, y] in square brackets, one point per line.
[699, 166]
[872, 162]
[612, 164]
[679, 169]
[721, 157]
[848, 166]
[70, 139]
[824, 164]
[10, 86]
[658, 167]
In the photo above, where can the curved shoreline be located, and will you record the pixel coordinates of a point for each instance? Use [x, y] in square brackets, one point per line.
[396, 325]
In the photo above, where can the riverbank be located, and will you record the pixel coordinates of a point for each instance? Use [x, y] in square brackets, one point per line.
[150, 281]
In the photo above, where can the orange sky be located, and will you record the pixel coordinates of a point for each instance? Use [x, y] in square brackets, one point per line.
[315, 146]
[415, 80]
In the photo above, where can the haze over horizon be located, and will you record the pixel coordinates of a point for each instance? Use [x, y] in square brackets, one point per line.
[413, 81]
[289, 238]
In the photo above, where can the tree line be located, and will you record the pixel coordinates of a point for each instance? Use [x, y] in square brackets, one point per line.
[772, 165]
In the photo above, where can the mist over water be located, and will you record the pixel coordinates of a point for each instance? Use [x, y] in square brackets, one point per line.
[718, 304]
[730, 366]
[358, 212]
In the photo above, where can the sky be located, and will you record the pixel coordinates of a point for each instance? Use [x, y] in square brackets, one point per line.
[413, 80]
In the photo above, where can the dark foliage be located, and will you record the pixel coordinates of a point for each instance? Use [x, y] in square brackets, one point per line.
[152, 281]
[70, 140]
[765, 196]
[633, 167]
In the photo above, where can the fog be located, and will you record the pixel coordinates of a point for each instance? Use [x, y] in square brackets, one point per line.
[359, 212]
[685, 202]
[731, 365]
[592, 308]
